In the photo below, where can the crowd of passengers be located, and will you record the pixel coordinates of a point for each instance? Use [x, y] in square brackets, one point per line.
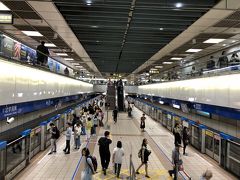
[85, 123]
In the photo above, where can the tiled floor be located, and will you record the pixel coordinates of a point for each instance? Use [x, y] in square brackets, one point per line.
[195, 163]
[126, 131]
[61, 166]
[56, 166]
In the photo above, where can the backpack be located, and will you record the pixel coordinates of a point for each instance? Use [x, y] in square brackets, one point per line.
[57, 133]
[94, 162]
[140, 153]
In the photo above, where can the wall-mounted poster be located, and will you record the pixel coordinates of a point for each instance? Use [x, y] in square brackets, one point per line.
[24, 52]
[8, 45]
[58, 67]
[17, 51]
[31, 54]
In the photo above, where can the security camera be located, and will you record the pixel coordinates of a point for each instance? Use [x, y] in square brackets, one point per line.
[10, 120]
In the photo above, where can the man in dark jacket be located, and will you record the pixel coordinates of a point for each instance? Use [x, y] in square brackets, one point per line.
[104, 151]
[54, 137]
[115, 113]
[42, 54]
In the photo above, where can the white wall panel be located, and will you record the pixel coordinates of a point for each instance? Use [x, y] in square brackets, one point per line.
[7, 85]
[21, 84]
[219, 90]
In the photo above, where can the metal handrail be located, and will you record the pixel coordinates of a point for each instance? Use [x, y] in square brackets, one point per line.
[132, 173]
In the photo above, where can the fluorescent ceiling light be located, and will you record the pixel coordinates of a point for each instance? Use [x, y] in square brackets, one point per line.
[233, 41]
[6, 18]
[3, 7]
[176, 58]
[61, 54]
[153, 69]
[75, 63]
[158, 66]
[167, 62]
[68, 59]
[32, 33]
[49, 45]
[213, 41]
[161, 29]
[178, 5]
[193, 50]
[94, 26]
[224, 44]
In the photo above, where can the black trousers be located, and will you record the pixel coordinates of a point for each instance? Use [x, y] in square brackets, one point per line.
[184, 147]
[117, 169]
[174, 171]
[67, 148]
[105, 159]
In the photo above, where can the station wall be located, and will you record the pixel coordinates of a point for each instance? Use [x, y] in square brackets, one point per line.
[220, 90]
[22, 84]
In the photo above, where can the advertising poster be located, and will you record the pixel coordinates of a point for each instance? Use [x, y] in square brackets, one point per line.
[31, 54]
[8, 45]
[17, 51]
[23, 53]
[58, 68]
[51, 64]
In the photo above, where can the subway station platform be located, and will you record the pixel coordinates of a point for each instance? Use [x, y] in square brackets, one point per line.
[65, 167]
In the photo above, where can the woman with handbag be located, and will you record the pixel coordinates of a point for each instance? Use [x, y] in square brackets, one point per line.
[185, 136]
[144, 154]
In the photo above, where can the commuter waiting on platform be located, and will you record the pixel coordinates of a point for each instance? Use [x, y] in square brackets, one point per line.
[115, 114]
[54, 136]
[68, 138]
[176, 162]
[77, 134]
[143, 154]
[117, 156]
[104, 151]
[89, 126]
[129, 110]
[42, 54]
[185, 138]
[142, 122]
[177, 136]
[88, 169]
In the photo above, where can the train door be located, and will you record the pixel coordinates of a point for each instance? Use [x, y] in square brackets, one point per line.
[209, 143]
[212, 144]
[35, 141]
[175, 120]
[159, 116]
[165, 119]
[61, 123]
[233, 157]
[216, 147]
[3, 158]
[169, 122]
[196, 137]
[153, 113]
[17, 154]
